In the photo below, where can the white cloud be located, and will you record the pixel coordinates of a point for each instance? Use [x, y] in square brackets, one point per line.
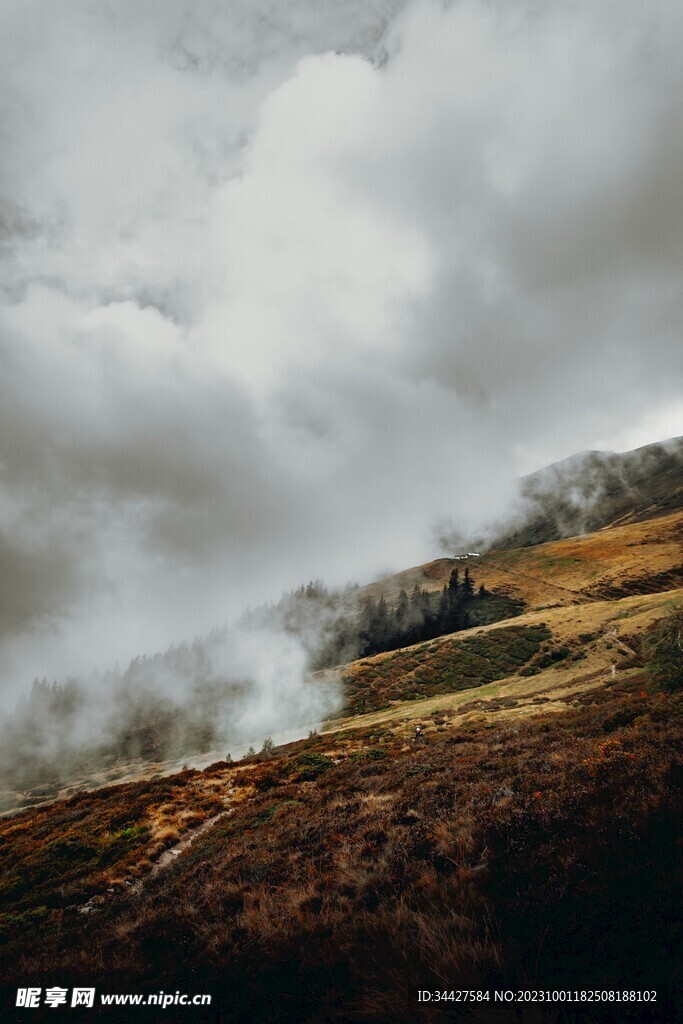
[271, 310]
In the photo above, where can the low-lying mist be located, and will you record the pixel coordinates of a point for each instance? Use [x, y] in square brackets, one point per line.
[578, 495]
[273, 672]
[278, 292]
[235, 686]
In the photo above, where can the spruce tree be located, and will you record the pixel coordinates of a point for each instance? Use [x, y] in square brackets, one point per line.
[443, 611]
[401, 615]
[382, 628]
[455, 599]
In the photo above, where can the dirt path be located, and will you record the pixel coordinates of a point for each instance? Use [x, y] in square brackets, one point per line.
[96, 903]
[168, 856]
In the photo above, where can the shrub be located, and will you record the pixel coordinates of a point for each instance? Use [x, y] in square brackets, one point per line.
[369, 754]
[663, 651]
[310, 766]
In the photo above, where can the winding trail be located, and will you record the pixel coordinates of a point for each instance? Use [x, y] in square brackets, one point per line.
[168, 856]
[95, 903]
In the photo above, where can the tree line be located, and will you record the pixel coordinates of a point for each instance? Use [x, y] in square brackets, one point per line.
[422, 615]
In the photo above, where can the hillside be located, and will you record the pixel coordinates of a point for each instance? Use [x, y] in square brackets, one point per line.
[595, 489]
[330, 878]
[350, 870]
[638, 557]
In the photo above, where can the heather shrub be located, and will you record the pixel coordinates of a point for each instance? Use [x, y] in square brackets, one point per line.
[663, 651]
[310, 766]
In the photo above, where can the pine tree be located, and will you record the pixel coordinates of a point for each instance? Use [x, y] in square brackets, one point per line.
[456, 596]
[414, 621]
[428, 618]
[382, 629]
[365, 627]
[401, 614]
[443, 610]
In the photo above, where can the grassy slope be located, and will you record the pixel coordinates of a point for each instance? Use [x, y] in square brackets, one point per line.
[590, 637]
[592, 490]
[541, 807]
[626, 558]
[642, 557]
[358, 867]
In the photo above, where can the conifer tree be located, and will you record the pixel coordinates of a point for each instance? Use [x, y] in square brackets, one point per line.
[382, 630]
[443, 610]
[401, 612]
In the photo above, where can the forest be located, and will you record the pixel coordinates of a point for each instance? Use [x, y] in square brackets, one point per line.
[355, 626]
[191, 698]
[422, 616]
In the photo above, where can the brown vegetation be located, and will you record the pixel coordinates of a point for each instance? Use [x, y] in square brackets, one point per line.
[531, 839]
[358, 872]
[63, 855]
[443, 665]
[637, 557]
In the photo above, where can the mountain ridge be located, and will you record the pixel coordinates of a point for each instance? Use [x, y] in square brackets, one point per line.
[489, 807]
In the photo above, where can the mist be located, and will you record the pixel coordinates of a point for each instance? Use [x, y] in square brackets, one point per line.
[230, 689]
[282, 292]
[585, 492]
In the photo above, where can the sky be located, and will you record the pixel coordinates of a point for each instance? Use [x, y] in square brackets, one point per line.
[284, 286]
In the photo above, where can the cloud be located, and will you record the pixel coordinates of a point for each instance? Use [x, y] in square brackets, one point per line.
[281, 292]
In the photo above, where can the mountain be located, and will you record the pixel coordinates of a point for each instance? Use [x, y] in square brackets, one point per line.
[492, 810]
[43, 751]
[595, 489]
[571, 499]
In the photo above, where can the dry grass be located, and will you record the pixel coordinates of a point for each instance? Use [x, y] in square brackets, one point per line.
[595, 634]
[620, 559]
[341, 884]
[612, 562]
[536, 824]
[59, 856]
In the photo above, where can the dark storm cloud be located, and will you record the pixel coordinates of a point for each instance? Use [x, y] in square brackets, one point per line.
[34, 583]
[286, 284]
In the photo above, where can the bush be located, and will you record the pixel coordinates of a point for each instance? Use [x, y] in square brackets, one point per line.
[310, 766]
[369, 754]
[663, 651]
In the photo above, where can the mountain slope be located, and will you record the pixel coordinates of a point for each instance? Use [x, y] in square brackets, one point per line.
[351, 870]
[535, 821]
[637, 557]
[595, 489]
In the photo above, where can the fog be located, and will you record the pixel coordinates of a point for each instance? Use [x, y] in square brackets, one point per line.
[210, 700]
[285, 287]
[580, 494]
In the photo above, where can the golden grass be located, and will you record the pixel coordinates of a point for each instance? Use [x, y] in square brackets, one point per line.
[611, 621]
[558, 572]
[398, 864]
